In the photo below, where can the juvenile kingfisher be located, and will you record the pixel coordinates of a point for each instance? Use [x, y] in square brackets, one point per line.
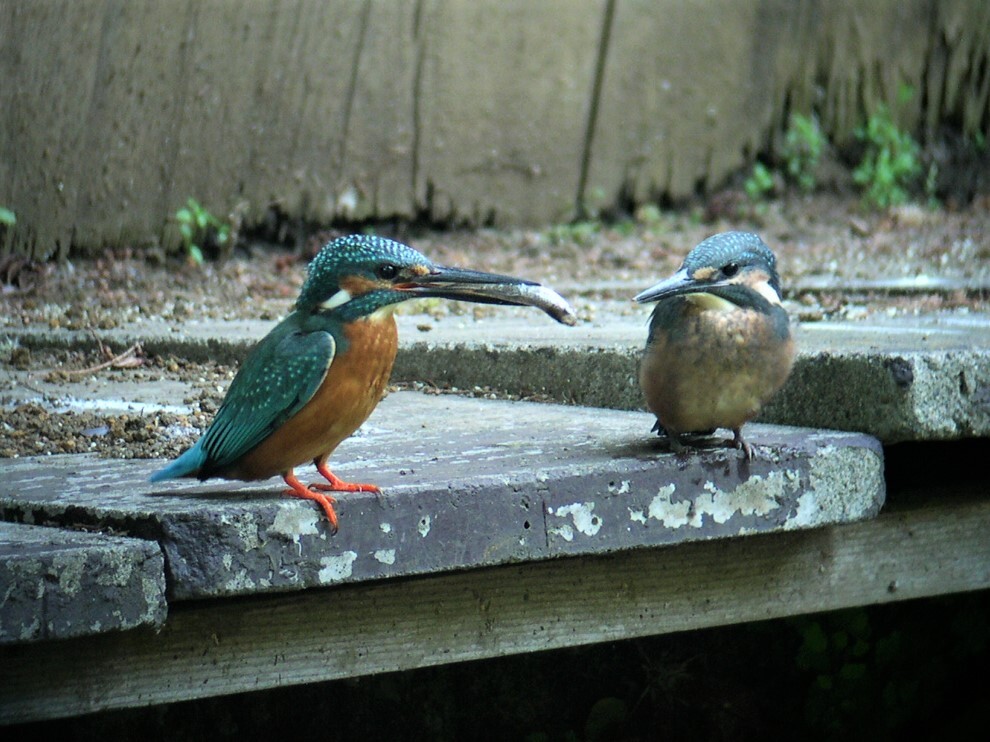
[316, 377]
[719, 344]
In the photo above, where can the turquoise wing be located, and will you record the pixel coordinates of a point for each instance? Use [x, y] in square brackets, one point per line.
[277, 379]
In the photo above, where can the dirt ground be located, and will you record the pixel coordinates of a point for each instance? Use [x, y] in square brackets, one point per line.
[826, 238]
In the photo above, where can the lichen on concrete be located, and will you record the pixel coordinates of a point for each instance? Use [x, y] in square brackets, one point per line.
[336, 568]
[663, 508]
[582, 516]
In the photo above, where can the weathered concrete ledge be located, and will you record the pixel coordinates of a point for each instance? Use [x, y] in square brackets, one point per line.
[57, 584]
[466, 483]
[918, 378]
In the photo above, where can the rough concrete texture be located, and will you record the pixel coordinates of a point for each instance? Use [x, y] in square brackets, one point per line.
[466, 483]
[58, 584]
[943, 395]
[913, 378]
[922, 378]
[502, 112]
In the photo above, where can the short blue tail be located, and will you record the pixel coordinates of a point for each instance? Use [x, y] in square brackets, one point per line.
[187, 465]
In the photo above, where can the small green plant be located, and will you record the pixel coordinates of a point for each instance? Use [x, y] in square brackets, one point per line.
[649, 215]
[7, 217]
[580, 232]
[931, 186]
[760, 183]
[803, 146]
[198, 226]
[625, 228]
[892, 161]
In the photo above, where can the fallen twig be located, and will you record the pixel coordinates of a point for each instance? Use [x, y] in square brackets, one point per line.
[130, 358]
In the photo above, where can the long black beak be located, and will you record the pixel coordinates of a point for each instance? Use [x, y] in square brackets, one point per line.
[466, 285]
[679, 283]
[489, 288]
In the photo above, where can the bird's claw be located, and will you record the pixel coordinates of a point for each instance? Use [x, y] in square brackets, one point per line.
[739, 442]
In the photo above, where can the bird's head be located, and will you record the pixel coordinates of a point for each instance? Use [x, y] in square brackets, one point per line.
[359, 275]
[726, 271]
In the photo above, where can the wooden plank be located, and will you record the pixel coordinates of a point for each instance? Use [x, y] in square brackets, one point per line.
[502, 100]
[113, 113]
[222, 647]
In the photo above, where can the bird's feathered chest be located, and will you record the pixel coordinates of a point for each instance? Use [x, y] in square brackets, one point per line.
[708, 365]
[358, 374]
[349, 383]
[368, 351]
[712, 323]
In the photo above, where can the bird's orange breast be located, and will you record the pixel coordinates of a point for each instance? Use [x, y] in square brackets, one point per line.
[353, 387]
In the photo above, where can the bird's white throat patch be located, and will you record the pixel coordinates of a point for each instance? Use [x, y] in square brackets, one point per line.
[764, 289]
[341, 297]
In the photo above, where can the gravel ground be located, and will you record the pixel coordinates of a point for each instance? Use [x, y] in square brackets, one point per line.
[825, 238]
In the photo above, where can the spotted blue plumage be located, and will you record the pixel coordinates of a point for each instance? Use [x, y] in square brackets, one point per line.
[745, 249]
[359, 255]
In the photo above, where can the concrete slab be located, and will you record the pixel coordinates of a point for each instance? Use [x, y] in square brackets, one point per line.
[903, 379]
[58, 584]
[466, 483]
[899, 379]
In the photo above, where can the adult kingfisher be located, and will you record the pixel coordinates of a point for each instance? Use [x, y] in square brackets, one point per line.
[317, 376]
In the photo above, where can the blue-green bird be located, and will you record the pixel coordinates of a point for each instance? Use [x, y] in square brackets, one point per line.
[317, 376]
[719, 343]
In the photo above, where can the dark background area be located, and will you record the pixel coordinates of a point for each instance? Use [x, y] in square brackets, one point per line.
[883, 672]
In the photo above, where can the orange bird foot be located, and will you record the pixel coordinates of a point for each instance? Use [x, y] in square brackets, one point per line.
[300, 490]
[339, 485]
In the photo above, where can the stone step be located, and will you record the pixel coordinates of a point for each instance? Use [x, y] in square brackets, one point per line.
[900, 379]
[59, 584]
[465, 483]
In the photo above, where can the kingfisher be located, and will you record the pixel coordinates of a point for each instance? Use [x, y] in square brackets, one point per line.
[719, 343]
[318, 374]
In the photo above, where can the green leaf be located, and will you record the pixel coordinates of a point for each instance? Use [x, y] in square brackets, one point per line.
[7, 217]
[814, 637]
[183, 215]
[861, 648]
[196, 254]
[852, 671]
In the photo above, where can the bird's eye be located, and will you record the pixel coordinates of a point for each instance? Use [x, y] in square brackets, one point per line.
[387, 271]
[729, 270]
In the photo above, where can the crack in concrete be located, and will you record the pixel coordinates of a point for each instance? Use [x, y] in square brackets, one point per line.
[596, 95]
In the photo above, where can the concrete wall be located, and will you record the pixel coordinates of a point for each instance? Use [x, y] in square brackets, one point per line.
[114, 112]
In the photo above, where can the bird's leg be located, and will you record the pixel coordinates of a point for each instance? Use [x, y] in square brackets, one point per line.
[337, 484]
[676, 445]
[300, 490]
[740, 443]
